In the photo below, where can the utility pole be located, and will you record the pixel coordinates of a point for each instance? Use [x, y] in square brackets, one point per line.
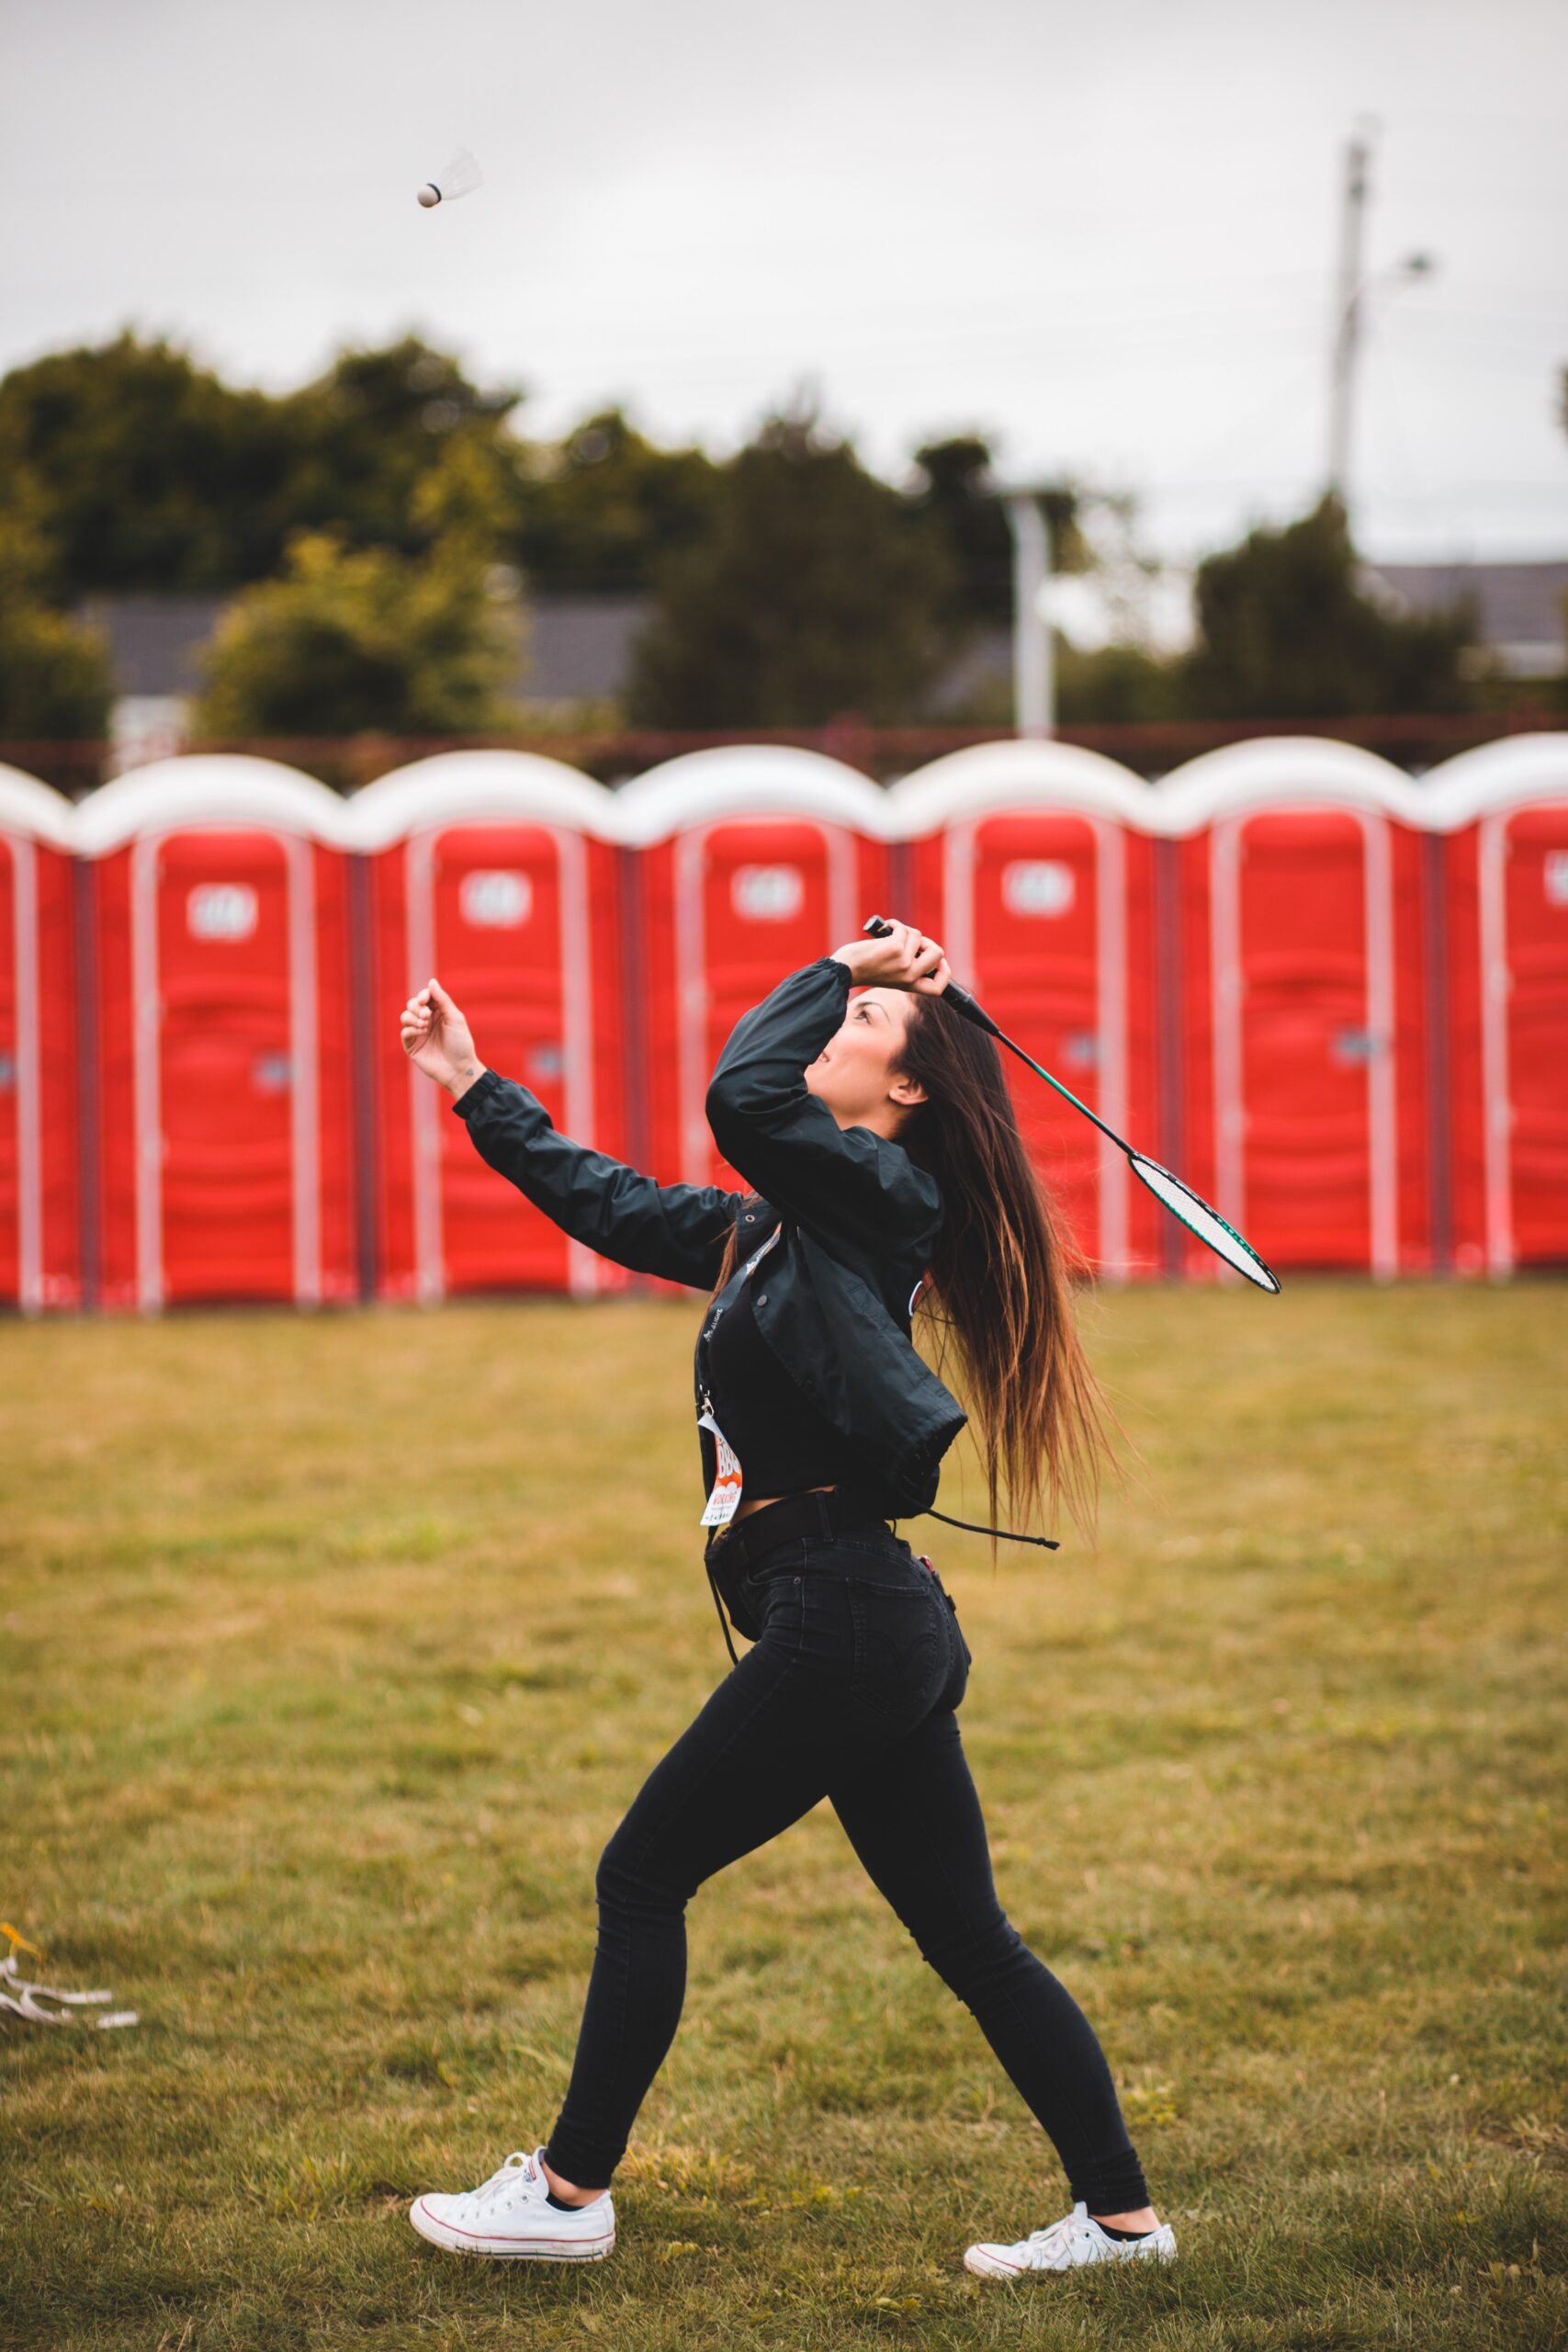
[1353, 287]
[1347, 310]
[1033, 686]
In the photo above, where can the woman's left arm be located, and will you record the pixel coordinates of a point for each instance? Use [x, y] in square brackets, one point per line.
[848, 1184]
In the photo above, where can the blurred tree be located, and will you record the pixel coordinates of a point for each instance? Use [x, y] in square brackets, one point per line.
[369, 433]
[955, 497]
[148, 472]
[153, 474]
[1115, 685]
[54, 674]
[1285, 632]
[356, 639]
[467, 498]
[602, 513]
[811, 596]
[952, 497]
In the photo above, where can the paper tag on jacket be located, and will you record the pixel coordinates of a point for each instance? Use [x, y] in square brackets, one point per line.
[723, 1502]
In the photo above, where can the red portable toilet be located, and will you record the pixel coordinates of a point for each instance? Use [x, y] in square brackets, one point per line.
[1032, 863]
[1502, 812]
[225, 1144]
[752, 860]
[496, 873]
[1304, 1037]
[39, 1242]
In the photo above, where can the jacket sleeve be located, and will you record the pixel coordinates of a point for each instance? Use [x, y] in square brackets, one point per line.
[846, 1184]
[674, 1231]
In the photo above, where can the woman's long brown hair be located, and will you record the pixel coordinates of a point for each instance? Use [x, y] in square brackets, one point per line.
[1000, 1279]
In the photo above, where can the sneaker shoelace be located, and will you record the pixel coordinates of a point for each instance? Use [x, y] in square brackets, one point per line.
[504, 2177]
[1057, 2237]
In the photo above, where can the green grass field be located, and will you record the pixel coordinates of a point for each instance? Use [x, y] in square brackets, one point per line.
[335, 1647]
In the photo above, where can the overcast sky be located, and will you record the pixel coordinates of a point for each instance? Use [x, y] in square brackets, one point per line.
[1104, 234]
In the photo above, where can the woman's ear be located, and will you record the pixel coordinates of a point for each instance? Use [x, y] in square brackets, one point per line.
[906, 1090]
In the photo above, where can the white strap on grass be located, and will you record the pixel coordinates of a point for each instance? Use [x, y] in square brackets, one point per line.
[19, 1998]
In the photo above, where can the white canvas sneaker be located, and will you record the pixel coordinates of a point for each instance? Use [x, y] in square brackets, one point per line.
[1065, 2245]
[508, 2215]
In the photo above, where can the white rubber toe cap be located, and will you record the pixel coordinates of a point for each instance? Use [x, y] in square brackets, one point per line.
[988, 2261]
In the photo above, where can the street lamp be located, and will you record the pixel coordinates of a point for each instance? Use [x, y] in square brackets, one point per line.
[1354, 317]
[1355, 287]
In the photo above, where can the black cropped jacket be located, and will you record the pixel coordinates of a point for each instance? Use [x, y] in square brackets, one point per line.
[857, 1221]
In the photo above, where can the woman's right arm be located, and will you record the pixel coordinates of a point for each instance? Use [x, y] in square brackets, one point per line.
[677, 1231]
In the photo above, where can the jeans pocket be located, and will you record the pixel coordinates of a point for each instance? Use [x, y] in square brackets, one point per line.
[764, 1598]
[901, 1659]
[738, 1605]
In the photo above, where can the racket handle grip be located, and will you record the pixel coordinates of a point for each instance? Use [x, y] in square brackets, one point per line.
[875, 927]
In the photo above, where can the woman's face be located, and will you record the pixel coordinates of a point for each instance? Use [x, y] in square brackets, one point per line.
[851, 1074]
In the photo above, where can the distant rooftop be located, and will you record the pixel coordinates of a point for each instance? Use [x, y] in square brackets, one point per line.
[579, 647]
[155, 640]
[1521, 608]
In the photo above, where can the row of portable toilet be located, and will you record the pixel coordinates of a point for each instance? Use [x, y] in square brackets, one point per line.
[1334, 999]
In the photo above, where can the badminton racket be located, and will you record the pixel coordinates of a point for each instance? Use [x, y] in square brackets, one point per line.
[1183, 1202]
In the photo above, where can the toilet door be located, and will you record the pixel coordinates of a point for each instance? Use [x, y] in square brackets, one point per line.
[1305, 1140]
[224, 1024]
[1522, 873]
[1034, 908]
[18, 1140]
[754, 899]
[499, 912]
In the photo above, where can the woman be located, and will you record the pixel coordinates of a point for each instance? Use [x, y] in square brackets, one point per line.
[881, 1143]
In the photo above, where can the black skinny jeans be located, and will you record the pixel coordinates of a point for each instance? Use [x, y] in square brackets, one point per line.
[848, 1693]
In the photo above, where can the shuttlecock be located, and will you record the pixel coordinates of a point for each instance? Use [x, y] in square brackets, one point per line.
[460, 177]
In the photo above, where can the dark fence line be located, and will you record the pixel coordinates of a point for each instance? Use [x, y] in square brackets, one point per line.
[1147, 747]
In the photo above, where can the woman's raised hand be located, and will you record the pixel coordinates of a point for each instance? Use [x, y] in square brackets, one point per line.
[903, 958]
[438, 1040]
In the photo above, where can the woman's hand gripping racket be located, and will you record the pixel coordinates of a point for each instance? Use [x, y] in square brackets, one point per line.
[1180, 1199]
